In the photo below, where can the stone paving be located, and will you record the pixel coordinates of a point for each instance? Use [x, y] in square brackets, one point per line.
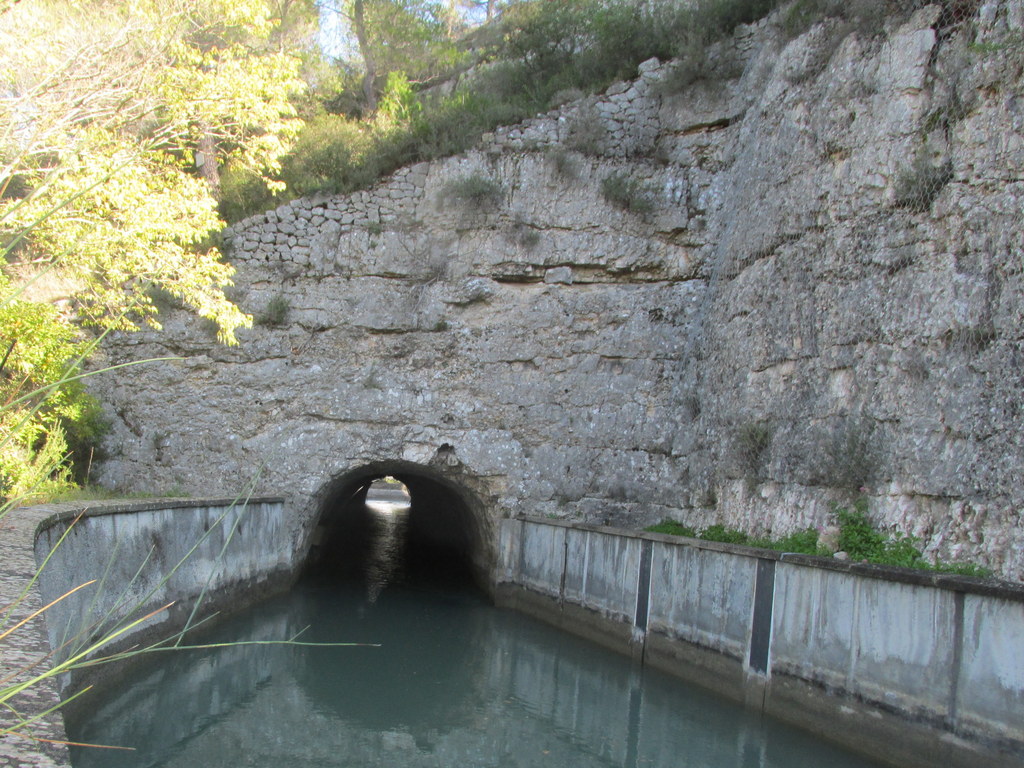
[25, 650]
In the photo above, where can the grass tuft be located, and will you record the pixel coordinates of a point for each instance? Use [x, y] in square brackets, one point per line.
[628, 194]
[480, 194]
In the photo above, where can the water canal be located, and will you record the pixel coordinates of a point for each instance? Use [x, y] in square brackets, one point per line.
[444, 680]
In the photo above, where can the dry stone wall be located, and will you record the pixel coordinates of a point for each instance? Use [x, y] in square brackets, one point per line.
[766, 319]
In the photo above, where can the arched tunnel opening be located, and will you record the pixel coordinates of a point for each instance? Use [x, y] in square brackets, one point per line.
[398, 523]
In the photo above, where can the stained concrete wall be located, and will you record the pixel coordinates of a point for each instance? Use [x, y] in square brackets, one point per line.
[915, 668]
[183, 559]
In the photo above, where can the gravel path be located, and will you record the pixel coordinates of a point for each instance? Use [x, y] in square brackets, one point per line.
[25, 646]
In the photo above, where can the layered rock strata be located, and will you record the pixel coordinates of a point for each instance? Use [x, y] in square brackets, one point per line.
[740, 300]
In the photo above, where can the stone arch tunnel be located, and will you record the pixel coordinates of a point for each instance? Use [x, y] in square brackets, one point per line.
[445, 533]
[491, 390]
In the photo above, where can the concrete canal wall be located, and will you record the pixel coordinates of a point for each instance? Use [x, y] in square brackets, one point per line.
[916, 668]
[182, 559]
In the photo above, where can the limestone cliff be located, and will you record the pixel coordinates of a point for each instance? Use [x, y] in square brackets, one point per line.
[737, 301]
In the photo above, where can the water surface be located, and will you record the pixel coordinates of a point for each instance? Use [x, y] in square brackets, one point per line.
[448, 681]
[454, 682]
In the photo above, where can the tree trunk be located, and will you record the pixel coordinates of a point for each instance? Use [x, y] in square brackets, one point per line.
[366, 51]
[206, 160]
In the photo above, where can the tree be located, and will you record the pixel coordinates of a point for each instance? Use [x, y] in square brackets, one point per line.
[115, 118]
[412, 37]
[113, 113]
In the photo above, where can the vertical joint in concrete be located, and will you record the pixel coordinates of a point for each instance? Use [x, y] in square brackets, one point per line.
[643, 587]
[958, 655]
[565, 567]
[761, 622]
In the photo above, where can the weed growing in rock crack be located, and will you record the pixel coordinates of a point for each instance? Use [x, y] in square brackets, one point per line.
[564, 164]
[525, 235]
[628, 193]
[479, 193]
[917, 187]
[848, 457]
[751, 448]
[275, 313]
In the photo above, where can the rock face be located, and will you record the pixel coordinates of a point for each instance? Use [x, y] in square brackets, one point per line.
[738, 301]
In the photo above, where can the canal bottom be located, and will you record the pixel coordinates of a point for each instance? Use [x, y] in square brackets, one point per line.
[438, 678]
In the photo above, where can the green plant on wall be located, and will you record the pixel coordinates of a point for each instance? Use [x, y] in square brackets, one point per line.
[587, 133]
[476, 192]
[862, 541]
[848, 457]
[751, 449]
[564, 164]
[858, 538]
[628, 193]
[918, 184]
[275, 313]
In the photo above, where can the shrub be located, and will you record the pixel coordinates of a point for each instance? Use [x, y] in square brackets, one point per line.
[848, 459]
[332, 154]
[628, 193]
[751, 449]
[46, 416]
[917, 187]
[275, 313]
[587, 133]
[478, 193]
[564, 164]
[691, 65]
[524, 234]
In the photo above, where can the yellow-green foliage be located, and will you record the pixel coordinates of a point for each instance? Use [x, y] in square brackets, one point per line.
[115, 120]
[45, 415]
[102, 143]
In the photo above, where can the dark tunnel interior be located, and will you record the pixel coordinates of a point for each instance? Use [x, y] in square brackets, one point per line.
[388, 526]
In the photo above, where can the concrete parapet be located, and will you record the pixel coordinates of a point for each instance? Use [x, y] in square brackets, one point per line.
[913, 668]
[172, 562]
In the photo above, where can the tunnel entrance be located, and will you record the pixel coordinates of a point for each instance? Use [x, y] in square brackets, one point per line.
[399, 524]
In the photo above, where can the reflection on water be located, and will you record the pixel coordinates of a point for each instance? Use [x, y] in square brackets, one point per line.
[454, 682]
[384, 561]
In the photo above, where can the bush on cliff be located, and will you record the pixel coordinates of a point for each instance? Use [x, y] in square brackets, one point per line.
[540, 50]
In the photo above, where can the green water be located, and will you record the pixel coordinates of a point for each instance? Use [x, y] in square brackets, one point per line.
[454, 682]
[443, 680]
